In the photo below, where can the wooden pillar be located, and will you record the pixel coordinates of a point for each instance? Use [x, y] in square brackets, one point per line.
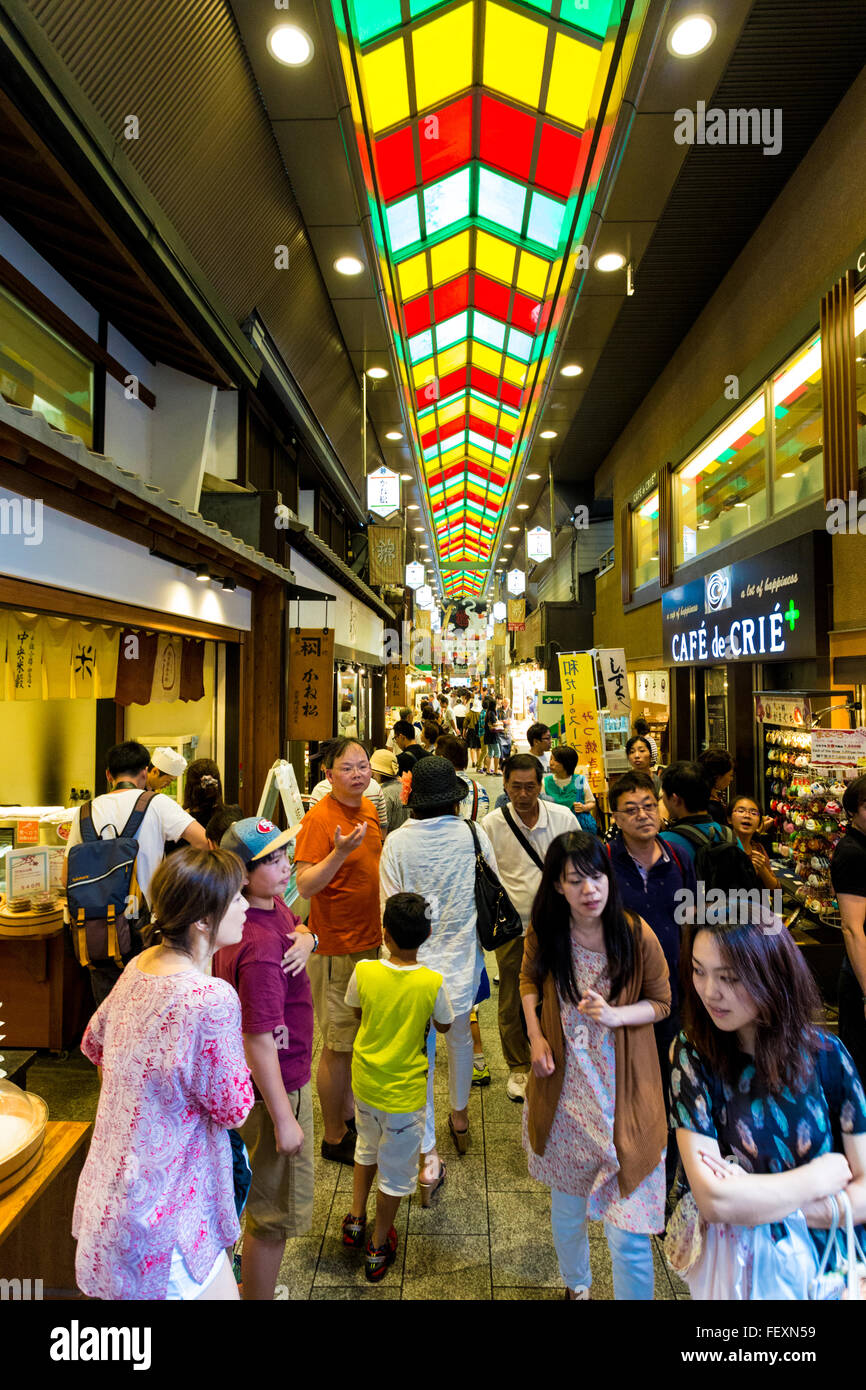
[839, 390]
[263, 691]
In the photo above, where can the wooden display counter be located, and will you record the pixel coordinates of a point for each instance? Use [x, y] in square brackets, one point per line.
[36, 1216]
[44, 992]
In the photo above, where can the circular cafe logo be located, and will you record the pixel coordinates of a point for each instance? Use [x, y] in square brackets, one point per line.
[718, 591]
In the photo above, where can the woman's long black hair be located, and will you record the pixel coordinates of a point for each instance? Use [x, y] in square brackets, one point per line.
[551, 917]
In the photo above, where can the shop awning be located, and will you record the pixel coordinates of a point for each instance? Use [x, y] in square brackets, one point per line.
[313, 595]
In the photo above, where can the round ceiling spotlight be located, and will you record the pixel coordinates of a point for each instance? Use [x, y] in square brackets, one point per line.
[377, 373]
[611, 260]
[348, 265]
[394, 435]
[548, 434]
[570, 369]
[533, 477]
[691, 35]
[289, 44]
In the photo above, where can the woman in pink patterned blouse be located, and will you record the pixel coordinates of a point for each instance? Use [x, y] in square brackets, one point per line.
[155, 1212]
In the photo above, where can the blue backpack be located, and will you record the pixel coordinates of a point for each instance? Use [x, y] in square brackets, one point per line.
[102, 891]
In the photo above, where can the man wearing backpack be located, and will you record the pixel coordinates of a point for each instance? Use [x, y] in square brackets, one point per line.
[686, 796]
[150, 824]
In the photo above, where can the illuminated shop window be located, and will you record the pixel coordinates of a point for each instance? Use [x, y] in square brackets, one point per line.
[42, 372]
[721, 491]
[860, 371]
[798, 426]
[645, 541]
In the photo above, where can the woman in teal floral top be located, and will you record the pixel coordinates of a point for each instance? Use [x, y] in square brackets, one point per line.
[753, 1079]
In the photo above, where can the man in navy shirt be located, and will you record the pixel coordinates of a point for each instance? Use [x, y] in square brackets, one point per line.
[649, 873]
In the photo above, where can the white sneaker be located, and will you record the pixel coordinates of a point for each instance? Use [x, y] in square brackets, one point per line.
[516, 1087]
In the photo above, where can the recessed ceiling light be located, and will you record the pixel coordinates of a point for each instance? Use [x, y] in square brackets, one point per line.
[570, 369]
[395, 434]
[523, 506]
[548, 434]
[533, 477]
[412, 507]
[406, 478]
[739, 504]
[507, 546]
[348, 265]
[290, 45]
[377, 373]
[419, 528]
[612, 260]
[787, 475]
[691, 36]
[514, 528]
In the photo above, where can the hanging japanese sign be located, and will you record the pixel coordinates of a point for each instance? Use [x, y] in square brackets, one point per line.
[516, 614]
[311, 683]
[499, 634]
[499, 612]
[550, 710]
[791, 711]
[538, 544]
[383, 492]
[652, 686]
[395, 687]
[424, 597]
[580, 713]
[414, 575]
[516, 581]
[616, 696]
[386, 554]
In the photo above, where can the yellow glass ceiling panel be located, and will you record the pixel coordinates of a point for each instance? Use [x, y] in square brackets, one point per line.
[532, 275]
[489, 413]
[451, 456]
[487, 358]
[387, 88]
[514, 54]
[413, 276]
[443, 56]
[514, 371]
[450, 258]
[495, 257]
[571, 80]
[451, 358]
[422, 372]
[451, 412]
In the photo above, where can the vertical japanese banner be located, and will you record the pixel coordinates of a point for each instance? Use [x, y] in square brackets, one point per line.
[311, 683]
[612, 661]
[516, 614]
[580, 713]
[386, 554]
[395, 687]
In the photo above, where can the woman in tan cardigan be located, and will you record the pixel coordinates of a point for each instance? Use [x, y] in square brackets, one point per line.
[595, 1121]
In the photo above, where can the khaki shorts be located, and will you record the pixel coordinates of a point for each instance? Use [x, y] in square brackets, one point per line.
[280, 1204]
[329, 978]
[393, 1143]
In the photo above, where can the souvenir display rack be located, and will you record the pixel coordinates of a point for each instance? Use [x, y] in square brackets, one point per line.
[805, 802]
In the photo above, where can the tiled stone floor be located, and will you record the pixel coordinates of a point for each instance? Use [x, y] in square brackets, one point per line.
[486, 1236]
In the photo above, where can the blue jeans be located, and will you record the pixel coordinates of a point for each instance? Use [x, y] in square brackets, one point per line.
[631, 1255]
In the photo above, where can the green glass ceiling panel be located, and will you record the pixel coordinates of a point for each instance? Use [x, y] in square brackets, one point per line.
[374, 17]
[488, 330]
[446, 202]
[590, 15]
[421, 346]
[404, 227]
[519, 345]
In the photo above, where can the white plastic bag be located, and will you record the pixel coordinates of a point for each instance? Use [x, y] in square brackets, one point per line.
[842, 1271]
[745, 1263]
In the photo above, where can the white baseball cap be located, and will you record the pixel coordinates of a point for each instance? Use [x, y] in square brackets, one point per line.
[168, 761]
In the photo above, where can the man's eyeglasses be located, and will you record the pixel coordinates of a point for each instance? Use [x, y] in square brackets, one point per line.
[649, 808]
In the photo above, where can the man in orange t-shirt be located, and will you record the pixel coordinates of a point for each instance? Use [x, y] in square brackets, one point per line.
[337, 867]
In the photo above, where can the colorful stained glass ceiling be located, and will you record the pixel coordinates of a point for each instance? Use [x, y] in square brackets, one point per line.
[475, 125]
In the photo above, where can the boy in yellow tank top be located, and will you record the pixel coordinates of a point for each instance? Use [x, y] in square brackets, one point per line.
[396, 999]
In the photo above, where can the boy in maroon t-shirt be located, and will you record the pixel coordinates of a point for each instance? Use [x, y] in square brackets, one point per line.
[277, 1023]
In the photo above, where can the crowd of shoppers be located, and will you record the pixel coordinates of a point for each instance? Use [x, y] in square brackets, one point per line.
[636, 1031]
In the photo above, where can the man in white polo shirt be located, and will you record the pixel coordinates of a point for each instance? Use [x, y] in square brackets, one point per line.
[519, 857]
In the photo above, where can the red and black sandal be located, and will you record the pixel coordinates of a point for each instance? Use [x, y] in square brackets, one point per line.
[377, 1262]
[354, 1229]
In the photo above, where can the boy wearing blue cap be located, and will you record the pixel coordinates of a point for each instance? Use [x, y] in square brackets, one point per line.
[277, 1024]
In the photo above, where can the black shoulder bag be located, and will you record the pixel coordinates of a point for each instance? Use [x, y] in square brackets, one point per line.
[530, 850]
[498, 920]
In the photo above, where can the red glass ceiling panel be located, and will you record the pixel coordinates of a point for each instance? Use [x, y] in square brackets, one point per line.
[395, 164]
[451, 298]
[492, 386]
[491, 297]
[561, 158]
[445, 139]
[525, 313]
[417, 314]
[507, 137]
